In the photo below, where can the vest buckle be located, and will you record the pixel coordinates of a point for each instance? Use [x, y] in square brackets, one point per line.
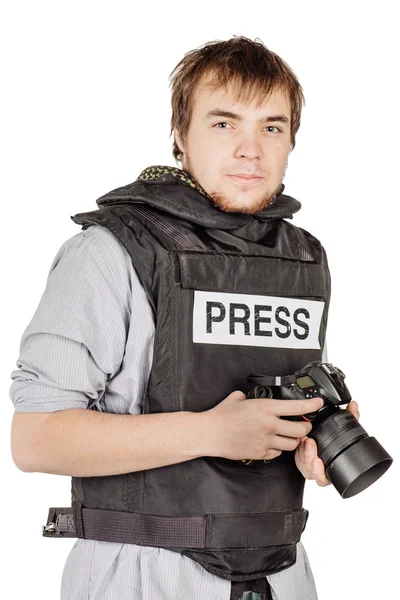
[49, 528]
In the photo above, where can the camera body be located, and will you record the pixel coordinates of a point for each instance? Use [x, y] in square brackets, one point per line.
[353, 460]
[316, 379]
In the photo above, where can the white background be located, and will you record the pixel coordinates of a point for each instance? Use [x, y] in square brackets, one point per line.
[86, 106]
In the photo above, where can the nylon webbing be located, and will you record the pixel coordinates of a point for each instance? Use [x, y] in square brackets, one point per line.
[210, 531]
[267, 380]
[145, 530]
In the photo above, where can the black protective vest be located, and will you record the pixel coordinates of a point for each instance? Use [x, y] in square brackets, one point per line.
[232, 294]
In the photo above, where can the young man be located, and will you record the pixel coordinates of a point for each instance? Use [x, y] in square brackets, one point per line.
[180, 286]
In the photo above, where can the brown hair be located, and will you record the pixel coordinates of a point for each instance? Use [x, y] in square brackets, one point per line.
[255, 69]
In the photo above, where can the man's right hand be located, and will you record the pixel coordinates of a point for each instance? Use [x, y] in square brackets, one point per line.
[241, 428]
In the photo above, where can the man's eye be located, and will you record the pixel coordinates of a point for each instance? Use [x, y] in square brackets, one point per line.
[273, 127]
[225, 123]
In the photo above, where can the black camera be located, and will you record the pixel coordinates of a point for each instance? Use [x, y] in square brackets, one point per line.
[353, 460]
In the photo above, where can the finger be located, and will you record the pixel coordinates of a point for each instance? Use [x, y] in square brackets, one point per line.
[304, 461]
[318, 471]
[280, 442]
[295, 429]
[311, 449]
[237, 394]
[272, 454]
[314, 464]
[353, 408]
[282, 408]
[310, 453]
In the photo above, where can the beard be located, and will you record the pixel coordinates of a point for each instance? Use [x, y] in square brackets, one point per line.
[231, 202]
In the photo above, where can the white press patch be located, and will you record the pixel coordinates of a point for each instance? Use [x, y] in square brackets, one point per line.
[247, 320]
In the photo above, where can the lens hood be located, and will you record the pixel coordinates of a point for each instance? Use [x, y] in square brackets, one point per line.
[358, 466]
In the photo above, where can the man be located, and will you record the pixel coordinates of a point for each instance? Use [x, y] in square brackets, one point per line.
[153, 317]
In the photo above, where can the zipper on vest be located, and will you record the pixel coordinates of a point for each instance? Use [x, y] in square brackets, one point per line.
[174, 278]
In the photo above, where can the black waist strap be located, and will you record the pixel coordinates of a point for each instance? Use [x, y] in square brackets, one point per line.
[213, 531]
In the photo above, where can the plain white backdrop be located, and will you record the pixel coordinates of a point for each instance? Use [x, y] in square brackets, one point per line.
[86, 106]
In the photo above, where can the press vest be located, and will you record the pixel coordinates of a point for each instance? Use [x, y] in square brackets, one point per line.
[232, 294]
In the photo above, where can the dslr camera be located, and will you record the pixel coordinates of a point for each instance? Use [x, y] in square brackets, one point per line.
[353, 460]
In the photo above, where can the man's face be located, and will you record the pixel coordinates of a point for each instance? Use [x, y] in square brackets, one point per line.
[221, 148]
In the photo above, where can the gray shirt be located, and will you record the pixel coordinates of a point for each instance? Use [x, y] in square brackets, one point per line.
[90, 344]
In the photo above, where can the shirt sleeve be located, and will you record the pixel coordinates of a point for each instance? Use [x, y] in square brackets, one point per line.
[76, 339]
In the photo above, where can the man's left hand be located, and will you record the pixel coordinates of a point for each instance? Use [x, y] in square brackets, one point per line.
[306, 457]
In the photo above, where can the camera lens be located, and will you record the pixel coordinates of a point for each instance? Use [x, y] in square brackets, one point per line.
[353, 460]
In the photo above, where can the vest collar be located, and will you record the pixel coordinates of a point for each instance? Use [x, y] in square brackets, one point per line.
[175, 191]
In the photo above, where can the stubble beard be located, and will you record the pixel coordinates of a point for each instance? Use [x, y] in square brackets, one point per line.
[229, 203]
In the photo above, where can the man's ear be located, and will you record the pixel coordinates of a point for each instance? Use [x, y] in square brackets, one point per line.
[178, 140]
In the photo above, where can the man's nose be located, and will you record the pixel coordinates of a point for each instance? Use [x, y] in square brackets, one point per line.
[249, 147]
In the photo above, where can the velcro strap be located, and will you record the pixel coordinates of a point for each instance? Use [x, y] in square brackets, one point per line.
[145, 530]
[212, 531]
[271, 380]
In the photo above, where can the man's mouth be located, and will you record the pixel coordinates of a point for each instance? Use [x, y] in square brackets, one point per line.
[245, 179]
